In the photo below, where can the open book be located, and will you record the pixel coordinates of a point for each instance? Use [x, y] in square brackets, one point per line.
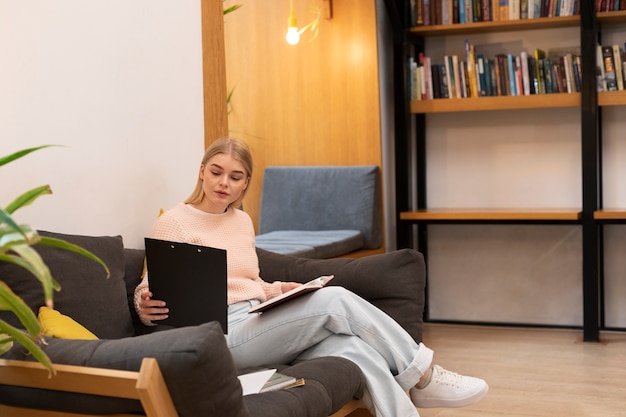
[310, 286]
[266, 380]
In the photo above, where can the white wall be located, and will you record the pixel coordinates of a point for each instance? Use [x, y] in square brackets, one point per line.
[119, 83]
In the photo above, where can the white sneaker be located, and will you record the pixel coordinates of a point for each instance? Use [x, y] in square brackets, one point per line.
[448, 389]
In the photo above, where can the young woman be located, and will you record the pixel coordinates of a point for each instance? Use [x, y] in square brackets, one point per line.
[330, 322]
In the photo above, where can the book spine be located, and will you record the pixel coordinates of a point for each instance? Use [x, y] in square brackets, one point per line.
[567, 66]
[539, 57]
[469, 11]
[458, 87]
[436, 73]
[455, 11]
[419, 13]
[549, 77]
[482, 76]
[486, 15]
[510, 60]
[462, 16]
[450, 75]
[609, 68]
[495, 10]
[532, 75]
[617, 57]
[514, 9]
[525, 73]
[445, 81]
[504, 10]
[577, 79]
[601, 79]
[471, 68]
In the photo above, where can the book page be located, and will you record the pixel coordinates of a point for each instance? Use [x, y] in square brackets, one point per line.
[253, 382]
[310, 286]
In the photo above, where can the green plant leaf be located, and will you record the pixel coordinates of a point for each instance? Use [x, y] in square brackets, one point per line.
[28, 198]
[6, 342]
[6, 159]
[231, 9]
[10, 301]
[28, 342]
[6, 219]
[62, 244]
[33, 262]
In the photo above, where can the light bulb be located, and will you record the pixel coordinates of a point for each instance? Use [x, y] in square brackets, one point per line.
[293, 36]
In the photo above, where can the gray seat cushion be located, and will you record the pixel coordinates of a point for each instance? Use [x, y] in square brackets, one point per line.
[317, 244]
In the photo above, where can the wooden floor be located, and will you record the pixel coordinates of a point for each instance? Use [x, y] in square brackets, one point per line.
[533, 372]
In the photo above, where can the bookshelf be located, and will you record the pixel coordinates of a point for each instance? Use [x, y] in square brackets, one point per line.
[414, 215]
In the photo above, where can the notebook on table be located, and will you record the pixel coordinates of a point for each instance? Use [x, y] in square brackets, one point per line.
[191, 279]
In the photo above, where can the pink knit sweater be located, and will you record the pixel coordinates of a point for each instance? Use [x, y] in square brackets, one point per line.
[232, 231]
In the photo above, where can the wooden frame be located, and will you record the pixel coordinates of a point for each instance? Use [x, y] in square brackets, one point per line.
[355, 408]
[147, 386]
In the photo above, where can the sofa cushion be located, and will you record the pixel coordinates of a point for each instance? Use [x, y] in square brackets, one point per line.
[86, 295]
[329, 383]
[392, 281]
[55, 324]
[317, 244]
[195, 361]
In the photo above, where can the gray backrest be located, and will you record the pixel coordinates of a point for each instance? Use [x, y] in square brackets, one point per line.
[323, 198]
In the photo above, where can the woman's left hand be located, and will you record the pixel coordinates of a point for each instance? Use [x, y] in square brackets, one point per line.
[286, 286]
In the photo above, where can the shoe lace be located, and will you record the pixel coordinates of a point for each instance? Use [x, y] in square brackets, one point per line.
[446, 377]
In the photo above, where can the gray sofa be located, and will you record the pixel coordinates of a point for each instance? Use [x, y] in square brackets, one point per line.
[195, 361]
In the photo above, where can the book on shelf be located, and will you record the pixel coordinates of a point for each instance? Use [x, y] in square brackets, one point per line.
[494, 11]
[525, 73]
[427, 92]
[609, 68]
[558, 71]
[438, 12]
[617, 57]
[514, 9]
[503, 7]
[623, 59]
[568, 69]
[600, 76]
[470, 56]
[523, 9]
[540, 56]
[482, 76]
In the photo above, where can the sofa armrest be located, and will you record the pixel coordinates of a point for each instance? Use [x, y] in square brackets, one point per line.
[193, 360]
[147, 385]
[392, 281]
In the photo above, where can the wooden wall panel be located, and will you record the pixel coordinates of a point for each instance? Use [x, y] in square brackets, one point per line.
[214, 70]
[315, 103]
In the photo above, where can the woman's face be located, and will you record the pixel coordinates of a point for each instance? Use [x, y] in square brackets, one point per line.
[223, 180]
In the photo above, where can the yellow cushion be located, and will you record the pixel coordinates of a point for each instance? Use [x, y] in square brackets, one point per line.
[55, 324]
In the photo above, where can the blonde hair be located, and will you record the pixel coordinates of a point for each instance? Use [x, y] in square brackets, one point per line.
[239, 151]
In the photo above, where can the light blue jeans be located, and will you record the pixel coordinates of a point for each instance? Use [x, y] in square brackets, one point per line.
[334, 322]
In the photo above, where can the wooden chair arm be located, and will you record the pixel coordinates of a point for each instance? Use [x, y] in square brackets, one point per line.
[147, 385]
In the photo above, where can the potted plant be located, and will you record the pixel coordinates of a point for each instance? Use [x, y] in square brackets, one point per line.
[16, 241]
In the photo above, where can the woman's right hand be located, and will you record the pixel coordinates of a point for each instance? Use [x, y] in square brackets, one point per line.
[151, 310]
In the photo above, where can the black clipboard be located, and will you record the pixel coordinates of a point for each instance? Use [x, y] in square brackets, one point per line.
[191, 279]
